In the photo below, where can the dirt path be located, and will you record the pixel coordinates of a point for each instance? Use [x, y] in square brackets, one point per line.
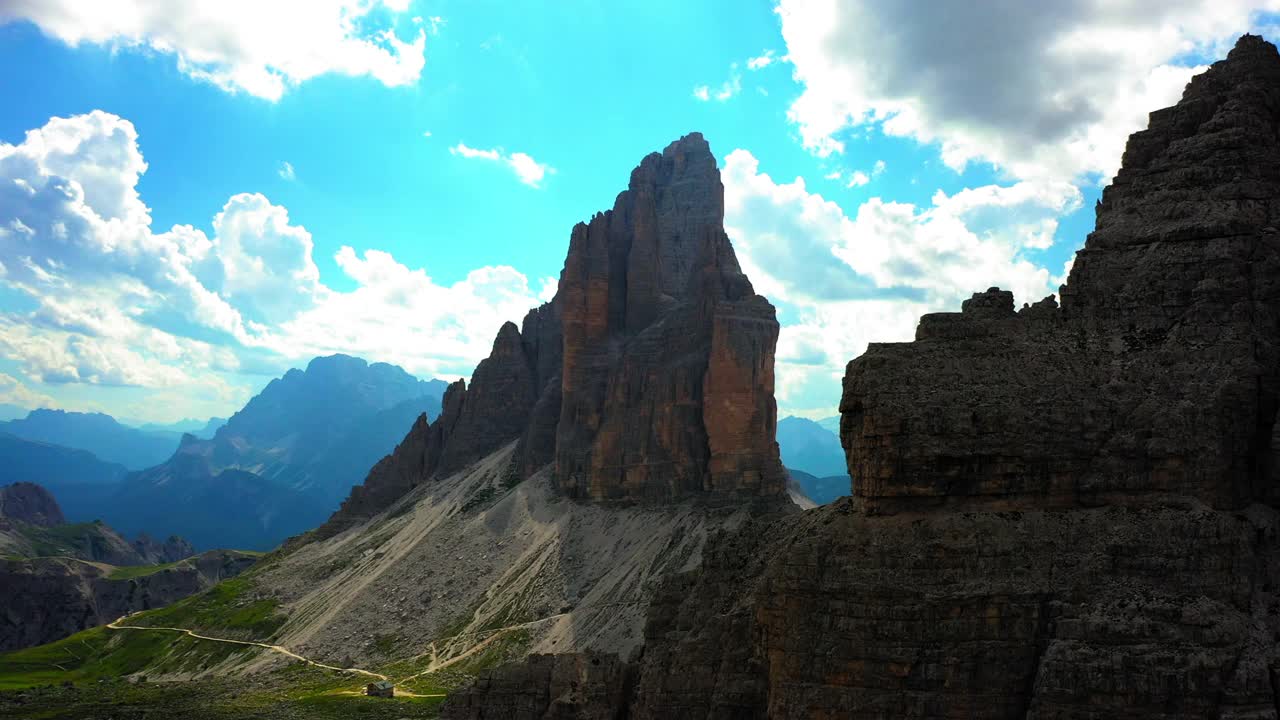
[275, 648]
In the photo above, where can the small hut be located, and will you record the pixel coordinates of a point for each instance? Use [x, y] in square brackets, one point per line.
[382, 688]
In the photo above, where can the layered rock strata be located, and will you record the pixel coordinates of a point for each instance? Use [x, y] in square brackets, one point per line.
[1159, 373]
[48, 598]
[649, 376]
[1061, 513]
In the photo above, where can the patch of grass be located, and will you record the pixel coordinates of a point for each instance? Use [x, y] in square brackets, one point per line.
[386, 644]
[479, 498]
[70, 539]
[290, 693]
[130, 572]
[228, 609]
[104, 654]
[504, 649]
[511, 476]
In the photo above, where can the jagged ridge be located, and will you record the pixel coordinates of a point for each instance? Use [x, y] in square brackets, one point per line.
[1060, 513]
[649, 376]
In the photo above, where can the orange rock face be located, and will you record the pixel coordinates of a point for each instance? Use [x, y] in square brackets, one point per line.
[649, 377]
[667, 380]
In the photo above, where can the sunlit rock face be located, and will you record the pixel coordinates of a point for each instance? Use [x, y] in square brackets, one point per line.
[1059, 512]
[667, 381]
[648, 378]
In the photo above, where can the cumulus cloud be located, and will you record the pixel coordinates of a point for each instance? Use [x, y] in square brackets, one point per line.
[1041, 90]
[526, 169]
[401, 315]
[261, 48]
[13, 392]
[867, 277]
[119, 304]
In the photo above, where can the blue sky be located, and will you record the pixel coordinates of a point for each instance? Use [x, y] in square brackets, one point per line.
[397, 178]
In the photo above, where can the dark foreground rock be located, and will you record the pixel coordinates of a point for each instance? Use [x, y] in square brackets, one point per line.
[29, 503]
[1061, 513]
[48, 598]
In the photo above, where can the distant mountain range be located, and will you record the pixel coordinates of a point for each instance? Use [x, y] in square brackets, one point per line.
[812, 453]
[810, 447]
[98, 433]
[200, 428]
[278, 467]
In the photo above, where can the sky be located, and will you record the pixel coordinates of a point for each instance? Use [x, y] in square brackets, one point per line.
[196, 197]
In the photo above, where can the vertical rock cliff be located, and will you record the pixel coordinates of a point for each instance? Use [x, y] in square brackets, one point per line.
[1059, 513]
[649, 376]
[667, 379]
[1159, 373]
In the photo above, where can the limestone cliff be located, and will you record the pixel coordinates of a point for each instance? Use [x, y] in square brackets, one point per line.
[1058, 513]
[1160, 372]
[668, 352]
[648, 378]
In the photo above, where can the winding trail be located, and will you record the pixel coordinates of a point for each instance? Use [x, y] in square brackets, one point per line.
[115, 625]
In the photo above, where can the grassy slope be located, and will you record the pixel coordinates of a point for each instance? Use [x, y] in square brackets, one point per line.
[136, 571]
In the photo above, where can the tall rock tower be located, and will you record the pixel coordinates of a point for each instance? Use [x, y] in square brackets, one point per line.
[648, 378]
[668, 352]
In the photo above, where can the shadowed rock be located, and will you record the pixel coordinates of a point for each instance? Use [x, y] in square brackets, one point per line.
[1058, 513]
[648, 378]
[29, 503]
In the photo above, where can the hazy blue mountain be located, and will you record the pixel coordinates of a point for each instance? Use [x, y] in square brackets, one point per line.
[211, 427]
[281, 464]
[98, 433]
[821, 490]
[809, 447]
[831, 423]
[199, 428]
[79, 480]
[11, 412]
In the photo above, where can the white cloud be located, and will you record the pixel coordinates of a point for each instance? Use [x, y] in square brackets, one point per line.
[1045, 91]
[401, 315]
[868, 277]
[257, 47]
[118, 304]
[527, 170]
[725, 91]
[286, 172]
[858, 179]
[13, 392]
[762, 61]
[263, 264]
[426, 133]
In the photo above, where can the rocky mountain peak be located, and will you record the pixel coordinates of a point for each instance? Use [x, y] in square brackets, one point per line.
[649, 376]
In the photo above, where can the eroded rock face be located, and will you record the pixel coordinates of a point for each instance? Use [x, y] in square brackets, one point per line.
[1159, 373]
[48, 598]
[649, 377]
[29, 503]
[1059, 513]
[668, 353]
